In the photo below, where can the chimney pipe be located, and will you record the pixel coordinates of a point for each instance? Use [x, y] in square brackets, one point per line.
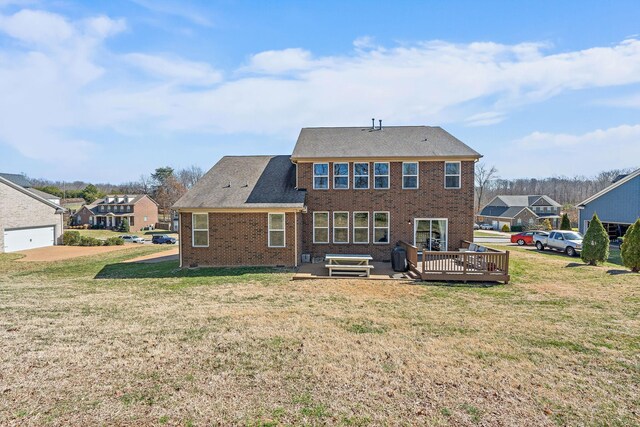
[380, 124]
[373, 124]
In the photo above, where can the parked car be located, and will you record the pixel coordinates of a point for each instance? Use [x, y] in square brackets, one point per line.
[476, 226]
[486, 226]
[162, 238]
[526, 237]
[132, 239]
[569, 242]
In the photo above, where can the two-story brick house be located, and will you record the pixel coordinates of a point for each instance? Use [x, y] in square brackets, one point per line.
[109, 212]
[346, 190]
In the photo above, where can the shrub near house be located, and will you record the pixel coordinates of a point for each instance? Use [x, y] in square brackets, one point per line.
[630, 249]
[595, 244]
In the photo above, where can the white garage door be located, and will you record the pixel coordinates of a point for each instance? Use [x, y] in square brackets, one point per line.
[27, 238]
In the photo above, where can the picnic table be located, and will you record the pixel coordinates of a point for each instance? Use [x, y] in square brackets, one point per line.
[348, 264]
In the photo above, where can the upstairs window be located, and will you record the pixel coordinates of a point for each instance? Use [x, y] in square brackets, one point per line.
[410, 175]
[361, 176]
[200, 230]
[276, 231]
[128, 208]
[321, 227]
[381, 176]
[321, 176]
[341, 176]
[451, 174]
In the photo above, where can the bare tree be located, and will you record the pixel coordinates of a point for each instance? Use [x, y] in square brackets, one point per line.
[483, 177]
[145, 184]
[168, 193]
[189, 176]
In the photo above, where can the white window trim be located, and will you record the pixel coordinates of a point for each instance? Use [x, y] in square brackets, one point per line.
[388, 228]
[321, 176]
[415, 228]
[417, 175]
[314, 228]
[356, 176]
[340, 176]
[284, 230]
[340, 228]
[459, 175]
[388, 175]
[193, 230]
[354, 227]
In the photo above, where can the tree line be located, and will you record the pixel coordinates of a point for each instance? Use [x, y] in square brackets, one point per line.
[568, 191]
[165, 185]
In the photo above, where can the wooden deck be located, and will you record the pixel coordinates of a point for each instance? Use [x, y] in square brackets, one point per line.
[488, 266]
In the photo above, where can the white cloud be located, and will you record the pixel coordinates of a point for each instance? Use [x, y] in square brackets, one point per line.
[37, 27]
[180, 9]
[543, 154]
[60, 80]
[628, 101]
[175, 69]
[485, 119]
[281, 61]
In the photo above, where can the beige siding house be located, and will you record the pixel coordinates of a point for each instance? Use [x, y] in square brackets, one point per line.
[27, 220]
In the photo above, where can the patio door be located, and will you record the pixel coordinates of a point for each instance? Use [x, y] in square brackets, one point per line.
[431, 233]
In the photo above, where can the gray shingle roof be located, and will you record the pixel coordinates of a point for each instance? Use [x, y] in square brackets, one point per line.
[391, 141]
[17, 179]
[246, 182]
[43, 194]
[501, 211]
[527, 200]
[133, 198]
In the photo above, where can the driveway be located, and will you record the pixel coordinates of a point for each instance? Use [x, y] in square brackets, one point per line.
[60, 253]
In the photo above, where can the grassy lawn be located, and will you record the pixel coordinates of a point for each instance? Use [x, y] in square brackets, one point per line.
[103, 234]
[95, 341]
[480, 233]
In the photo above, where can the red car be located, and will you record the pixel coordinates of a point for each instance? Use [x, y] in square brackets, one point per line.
[525, 238]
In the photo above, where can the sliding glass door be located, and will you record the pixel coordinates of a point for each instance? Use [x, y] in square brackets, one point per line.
[430, 234]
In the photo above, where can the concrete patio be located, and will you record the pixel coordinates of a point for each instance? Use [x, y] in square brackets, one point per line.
[381, 271]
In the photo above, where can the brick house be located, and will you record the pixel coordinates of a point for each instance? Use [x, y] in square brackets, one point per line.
[345, 190]
[28, 218]
[109, 212]
[526, 211]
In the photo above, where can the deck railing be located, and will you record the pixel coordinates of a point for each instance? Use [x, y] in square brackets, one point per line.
[489, 265]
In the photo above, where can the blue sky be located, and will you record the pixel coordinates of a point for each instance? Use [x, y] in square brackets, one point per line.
[107, 91]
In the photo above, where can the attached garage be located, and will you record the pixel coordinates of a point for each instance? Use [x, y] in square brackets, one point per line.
[27, 220]
[28, 238]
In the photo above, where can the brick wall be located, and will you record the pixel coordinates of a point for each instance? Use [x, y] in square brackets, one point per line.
[18, 210]
[237, 239]
[431, 200]
[144, 207]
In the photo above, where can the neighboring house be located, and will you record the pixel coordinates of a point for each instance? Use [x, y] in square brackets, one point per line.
[27, 220]
[139, 209]
[527, 210]
[346, 190]
[617, 206]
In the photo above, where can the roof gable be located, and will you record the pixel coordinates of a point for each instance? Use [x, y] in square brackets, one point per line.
[17, 179]
[26, 191]
[614, 185]
[388, 142]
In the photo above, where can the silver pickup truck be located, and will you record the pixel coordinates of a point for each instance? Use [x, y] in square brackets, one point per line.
[566, 241]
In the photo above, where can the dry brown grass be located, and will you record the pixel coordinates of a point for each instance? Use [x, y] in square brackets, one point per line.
[560, 345]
